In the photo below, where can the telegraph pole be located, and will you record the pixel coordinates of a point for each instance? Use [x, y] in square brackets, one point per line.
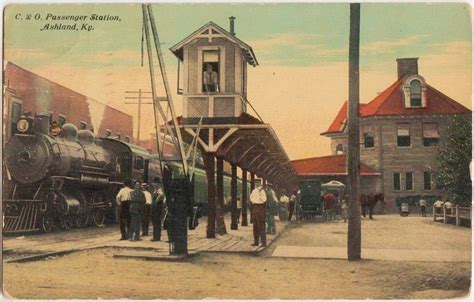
[139, 102]
[353, 151]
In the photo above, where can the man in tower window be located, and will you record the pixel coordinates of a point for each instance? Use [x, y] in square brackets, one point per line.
[210, 79]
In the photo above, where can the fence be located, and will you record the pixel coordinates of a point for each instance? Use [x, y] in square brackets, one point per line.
[457, 214]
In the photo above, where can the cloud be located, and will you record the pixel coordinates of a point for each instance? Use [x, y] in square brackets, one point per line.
[388, 46]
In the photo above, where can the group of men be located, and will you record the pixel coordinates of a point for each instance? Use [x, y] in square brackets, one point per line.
[264, 206]
[135, 206]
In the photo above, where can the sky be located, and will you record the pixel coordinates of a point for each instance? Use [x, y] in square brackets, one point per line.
[302, 79]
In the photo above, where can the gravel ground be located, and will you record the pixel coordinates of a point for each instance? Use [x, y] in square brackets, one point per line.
[96, 274]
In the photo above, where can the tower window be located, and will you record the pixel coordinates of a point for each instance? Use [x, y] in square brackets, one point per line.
[396, 181]
[409, 181]
[210, 71]
[368, 140]
[415, 93]
[430, 134]
[427, 181]
[83, 125]
[339, 149]
[403, 136]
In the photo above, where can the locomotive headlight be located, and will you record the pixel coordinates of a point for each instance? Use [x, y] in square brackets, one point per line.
[22, 125]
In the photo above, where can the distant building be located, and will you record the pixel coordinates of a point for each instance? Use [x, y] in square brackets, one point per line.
[401, 130]
[25, 91]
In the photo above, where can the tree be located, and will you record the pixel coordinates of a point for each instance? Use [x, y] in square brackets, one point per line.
[453, 160]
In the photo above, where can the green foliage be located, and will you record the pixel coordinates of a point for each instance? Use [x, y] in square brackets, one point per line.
[453, 160]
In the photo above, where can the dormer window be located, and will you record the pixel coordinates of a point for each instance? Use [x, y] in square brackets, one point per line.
[414, 92]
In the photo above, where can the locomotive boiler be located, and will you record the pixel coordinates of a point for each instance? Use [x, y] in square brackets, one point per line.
[68, 180]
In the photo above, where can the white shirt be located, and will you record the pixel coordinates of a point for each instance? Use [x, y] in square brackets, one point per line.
[284, 199]
[438, 203]
[123, 194]
[258, 196]
[422, 202]
[148, 197]
[448, 204]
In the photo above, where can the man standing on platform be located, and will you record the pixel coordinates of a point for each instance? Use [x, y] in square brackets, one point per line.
[258, 197]
[123, 202]
[271, 206]
[422, 204]
[136, 211]
[146, 209]
[291, 206]
[157, 207]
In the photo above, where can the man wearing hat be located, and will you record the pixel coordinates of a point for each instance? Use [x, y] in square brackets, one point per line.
[123, 202]
[146, 209]
[258, 197]
[270, 210]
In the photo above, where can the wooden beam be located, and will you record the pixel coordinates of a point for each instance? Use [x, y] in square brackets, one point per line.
[244, 221]
[233, 195]
[209, 161]
[220, 224]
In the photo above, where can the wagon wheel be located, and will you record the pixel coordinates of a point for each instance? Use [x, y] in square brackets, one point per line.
[47, 223]
[98, 214]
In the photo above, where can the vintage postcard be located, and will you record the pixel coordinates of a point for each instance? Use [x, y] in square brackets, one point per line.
[237, 151]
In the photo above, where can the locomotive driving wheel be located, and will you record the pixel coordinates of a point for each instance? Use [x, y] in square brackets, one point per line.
[97, 211]
[82, 219]
[47, 223]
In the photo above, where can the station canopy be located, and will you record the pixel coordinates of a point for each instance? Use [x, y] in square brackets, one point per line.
[247, 142]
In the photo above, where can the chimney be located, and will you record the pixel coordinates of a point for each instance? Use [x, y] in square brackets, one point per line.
[407, 66]
[231, 23]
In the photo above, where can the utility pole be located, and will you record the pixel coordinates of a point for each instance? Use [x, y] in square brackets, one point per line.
[139, 102]
[353, 150]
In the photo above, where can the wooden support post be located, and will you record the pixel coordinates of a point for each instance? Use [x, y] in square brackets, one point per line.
[444, 214]
[252, 187]
[458, 221]
[354, 234]
[434, 213]
[220, 224]
[233, 195]
[211, 195]
[244, 198]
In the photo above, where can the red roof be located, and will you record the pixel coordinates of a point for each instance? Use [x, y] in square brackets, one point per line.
[390, 102]
[327, 165]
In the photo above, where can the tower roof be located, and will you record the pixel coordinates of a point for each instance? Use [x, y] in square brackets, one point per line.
[211, 29]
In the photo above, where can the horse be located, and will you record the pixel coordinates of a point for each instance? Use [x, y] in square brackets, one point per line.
[369, 201]
[329, 203]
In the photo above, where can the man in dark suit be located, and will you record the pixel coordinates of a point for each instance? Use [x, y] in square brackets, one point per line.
[137, 203]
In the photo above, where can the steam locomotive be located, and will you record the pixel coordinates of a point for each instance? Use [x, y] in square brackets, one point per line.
[70, 180]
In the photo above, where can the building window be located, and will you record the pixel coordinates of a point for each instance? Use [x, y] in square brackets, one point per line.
[409, 181]
[62, 120]
[403, 136]
[139, 163]
[339, 149]
[368, 140]
[427, 181]
[415, 93]
[16, 113]
[210, 71]
[82, 125]
[396, 181]
[107, 133]
[430, 134]
[127, 139]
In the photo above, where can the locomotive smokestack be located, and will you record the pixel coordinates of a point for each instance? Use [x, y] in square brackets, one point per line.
[42, 123]
[231, 25]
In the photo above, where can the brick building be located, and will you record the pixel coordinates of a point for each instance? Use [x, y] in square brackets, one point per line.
[401, 130]
[26, 91]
